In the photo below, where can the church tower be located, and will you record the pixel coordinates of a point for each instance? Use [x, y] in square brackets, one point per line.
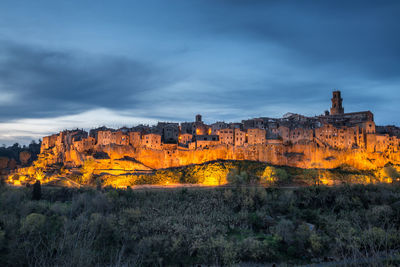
[337, 108]
[198, 118]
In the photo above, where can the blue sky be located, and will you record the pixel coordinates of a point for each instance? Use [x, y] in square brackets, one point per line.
[68, 64]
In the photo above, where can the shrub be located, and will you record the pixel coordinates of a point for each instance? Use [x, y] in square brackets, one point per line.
[391, 172]
[33, 223]
[272, 176]
[311, 175]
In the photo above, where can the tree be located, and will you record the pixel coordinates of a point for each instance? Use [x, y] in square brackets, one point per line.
[237, 178]
[312, 174]
[37, 191]
[391, 172]
[282, 175]
[234, 177]
[269, 175]
[273, 175]
[4, 162]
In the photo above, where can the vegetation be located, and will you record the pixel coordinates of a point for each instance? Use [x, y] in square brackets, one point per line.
[214, 173]
[250, 172]
[18, 154]
[213, 226]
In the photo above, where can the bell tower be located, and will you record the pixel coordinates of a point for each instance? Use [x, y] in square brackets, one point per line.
[337, 108]
[198, 118]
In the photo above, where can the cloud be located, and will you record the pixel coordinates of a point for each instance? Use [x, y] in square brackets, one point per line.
[357, 38]
[47, 83]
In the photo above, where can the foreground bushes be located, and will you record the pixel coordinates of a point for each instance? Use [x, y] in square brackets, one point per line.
[220, 226]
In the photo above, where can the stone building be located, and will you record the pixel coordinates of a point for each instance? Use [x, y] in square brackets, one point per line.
[382, 143]
[185, 139]
[369, 127]
[48, 142]
[63, 140]
[187, 127]
[240, 137]
[283, 133]
[109, 137]
[152, 140]
[84, 144]
[391, 130]
[204, 141]
[253, 123]
[94, 132]
[169, 131]
[219, 125]
[67, 137]
[104, 137]
[256, 136]
[135, 138]
[300, 134]
[120, 138]
[340, 137]
[226, 136]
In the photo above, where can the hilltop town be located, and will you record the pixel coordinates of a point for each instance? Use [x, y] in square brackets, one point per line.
[330, 140]
[334, 129]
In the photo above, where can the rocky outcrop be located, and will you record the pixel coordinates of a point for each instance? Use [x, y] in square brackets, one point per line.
[308, 155]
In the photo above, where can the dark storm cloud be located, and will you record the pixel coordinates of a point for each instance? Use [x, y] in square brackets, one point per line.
[47, 83]
[358, 36]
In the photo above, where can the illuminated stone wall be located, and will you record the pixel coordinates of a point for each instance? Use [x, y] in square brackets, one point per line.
[307, 155]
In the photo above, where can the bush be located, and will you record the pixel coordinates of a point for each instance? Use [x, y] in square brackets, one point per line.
[391, 172]
[33, 224]
[207, 226]
[237, 178]
[273, 176]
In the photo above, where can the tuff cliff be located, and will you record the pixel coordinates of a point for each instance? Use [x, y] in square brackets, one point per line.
[307, 155]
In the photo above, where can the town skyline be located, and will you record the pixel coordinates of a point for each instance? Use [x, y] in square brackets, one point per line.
[85, 125]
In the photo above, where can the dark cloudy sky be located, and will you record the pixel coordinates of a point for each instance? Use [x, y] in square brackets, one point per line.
[82, 63]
